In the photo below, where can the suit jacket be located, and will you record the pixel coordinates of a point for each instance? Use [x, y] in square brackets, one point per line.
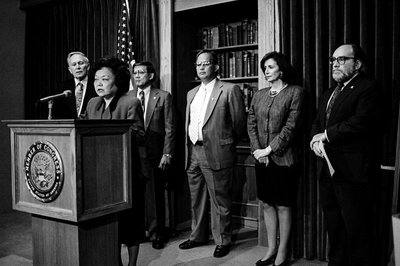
[65, 108]
[224, 124]
[354, 128]
[159, 124]
[275, 122]
[121, 107]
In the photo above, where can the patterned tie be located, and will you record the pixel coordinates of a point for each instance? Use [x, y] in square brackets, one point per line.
[335, 94]
[195, 117]
[141, 98]
[78, 96]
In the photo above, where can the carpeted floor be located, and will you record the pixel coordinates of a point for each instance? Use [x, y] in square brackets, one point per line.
[16, 248]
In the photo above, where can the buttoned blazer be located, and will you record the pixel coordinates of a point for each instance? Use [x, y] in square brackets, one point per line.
[353, 128]
[275, 122]
[160, 125]
[224, 124]
[65, 108]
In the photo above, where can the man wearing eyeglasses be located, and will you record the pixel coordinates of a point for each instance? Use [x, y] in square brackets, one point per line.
[159, 123]
[347, 132]
[215, 123]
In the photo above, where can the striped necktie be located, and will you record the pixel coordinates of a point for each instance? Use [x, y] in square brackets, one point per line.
[141, 98]
[78, 96]
[335, 94]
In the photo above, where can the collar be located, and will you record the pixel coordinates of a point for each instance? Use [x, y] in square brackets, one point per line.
[108, 101]
[83, 81]
[209, 85]
[146, 90]
[347, 82]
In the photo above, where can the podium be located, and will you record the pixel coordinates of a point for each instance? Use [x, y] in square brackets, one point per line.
[73, 176]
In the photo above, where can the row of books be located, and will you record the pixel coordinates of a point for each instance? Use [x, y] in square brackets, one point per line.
[230, 34]
[238, 64]
[248, 90]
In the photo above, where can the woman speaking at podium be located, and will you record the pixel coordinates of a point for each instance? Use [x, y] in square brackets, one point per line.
[111, 82]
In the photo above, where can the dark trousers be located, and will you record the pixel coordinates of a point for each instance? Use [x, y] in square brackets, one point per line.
[347, 213]
[155, 201]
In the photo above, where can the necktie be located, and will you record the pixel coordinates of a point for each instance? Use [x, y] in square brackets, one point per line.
[78, 96]
[141, 98]
[195, 117]
[335, 94]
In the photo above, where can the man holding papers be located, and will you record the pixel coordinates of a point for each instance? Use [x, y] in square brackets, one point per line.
[346, 135]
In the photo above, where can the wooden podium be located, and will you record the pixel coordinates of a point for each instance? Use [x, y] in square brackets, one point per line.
[73, 176]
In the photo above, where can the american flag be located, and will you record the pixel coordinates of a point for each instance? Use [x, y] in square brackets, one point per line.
[124, 41]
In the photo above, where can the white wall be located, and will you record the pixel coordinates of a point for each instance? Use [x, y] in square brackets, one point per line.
[12, 53]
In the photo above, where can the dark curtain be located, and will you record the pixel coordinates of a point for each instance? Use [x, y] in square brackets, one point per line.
[55, 28]
[144, 24]
[311, 31]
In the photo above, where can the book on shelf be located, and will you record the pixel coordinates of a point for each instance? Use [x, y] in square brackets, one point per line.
[215, 37]
[221, 33]
[248, 90]
[229, 34]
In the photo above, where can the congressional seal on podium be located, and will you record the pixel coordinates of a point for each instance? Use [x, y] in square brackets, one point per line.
[44, 172]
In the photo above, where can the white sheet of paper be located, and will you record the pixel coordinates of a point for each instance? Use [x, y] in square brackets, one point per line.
[321, 147]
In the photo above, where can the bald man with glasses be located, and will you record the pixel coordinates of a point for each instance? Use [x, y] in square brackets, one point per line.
[346, 137]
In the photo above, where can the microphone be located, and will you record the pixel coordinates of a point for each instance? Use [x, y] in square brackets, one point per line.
[65, 94]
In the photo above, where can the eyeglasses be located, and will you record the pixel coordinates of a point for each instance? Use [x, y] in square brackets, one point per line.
[341, 59]
[204, 64]
[140, 72]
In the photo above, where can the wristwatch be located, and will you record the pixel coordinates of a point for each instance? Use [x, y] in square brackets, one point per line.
[168, 155]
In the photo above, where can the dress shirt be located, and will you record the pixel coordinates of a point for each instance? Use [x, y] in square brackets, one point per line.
[199, 105]
[146, 98]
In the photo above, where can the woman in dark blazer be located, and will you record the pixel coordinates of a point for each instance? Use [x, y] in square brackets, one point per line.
[273, 124]
[111, 82]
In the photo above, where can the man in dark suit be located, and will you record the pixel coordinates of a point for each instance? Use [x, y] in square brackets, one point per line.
[215, 122]
[347, 132]
[81, 86]
[159, 121]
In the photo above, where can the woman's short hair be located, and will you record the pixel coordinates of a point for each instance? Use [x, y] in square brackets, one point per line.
[119, 68]
[283, 63]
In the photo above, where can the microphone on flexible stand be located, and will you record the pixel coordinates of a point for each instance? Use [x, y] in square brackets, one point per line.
[49, 100]
[65, 94]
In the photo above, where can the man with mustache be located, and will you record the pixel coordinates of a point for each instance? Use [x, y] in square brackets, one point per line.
[348, 128]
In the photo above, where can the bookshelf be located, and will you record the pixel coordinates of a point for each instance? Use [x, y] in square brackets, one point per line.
[192, 25]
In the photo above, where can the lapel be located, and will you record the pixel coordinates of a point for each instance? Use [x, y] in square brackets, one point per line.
[216, 92]
[324, 105]
[346, 92]
[151, 104]
[190, 97]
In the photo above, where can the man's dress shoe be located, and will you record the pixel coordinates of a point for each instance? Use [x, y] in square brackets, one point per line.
[221, 250]
[157, 243]
[188, 244]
